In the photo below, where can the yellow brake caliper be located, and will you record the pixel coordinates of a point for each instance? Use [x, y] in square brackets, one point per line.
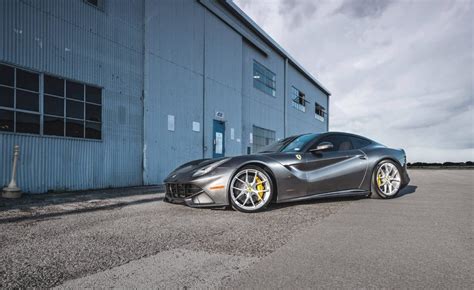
[379, 180]
[260, 188]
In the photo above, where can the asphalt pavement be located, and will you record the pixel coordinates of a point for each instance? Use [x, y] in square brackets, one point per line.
[422, 239]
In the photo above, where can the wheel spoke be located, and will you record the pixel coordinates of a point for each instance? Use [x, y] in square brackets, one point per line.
[240, 180]
[253, 203]
[240, 194]
[261, 182]
[395, 173]
[254, 178]
[246, 200]
[390, 172]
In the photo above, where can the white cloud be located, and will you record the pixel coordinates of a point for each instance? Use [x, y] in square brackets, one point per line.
[400, 72]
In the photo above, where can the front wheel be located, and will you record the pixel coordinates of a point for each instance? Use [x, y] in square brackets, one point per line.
[386, 180]
[251, 189]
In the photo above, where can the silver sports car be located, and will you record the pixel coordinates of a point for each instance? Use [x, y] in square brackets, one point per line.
[296, 168]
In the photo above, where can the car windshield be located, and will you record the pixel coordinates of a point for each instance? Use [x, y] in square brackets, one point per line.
[290, 144]
[298, 143]
[276, 146]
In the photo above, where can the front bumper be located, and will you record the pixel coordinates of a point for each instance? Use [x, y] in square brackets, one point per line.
[209, 190]
[188, 194]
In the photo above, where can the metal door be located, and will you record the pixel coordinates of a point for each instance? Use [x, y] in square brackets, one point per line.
[218, 137]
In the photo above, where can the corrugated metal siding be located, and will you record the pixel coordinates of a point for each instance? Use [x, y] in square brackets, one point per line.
[223, 82]
[192, 60]
[260, 109]
[268, 112]
[304, 122]
[174, 72]
[66, 164]
[74, 40]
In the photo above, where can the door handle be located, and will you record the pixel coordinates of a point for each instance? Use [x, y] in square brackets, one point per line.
[363, 157]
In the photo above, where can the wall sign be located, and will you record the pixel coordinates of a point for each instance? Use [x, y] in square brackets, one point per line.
[232, 134]
[219, 115]
[170, 122]
[196, 126]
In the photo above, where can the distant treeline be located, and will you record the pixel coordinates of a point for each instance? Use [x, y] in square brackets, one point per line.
[440, 165]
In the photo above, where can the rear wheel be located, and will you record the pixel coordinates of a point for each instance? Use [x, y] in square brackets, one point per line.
[251, 189]
[386, 180]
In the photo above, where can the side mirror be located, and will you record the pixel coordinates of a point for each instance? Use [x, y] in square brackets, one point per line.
[323, 146]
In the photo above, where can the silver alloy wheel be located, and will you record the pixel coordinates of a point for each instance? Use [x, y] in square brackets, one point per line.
[250, 189]
[388, 179]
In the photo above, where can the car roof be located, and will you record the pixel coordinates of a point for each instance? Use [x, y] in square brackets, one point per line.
[335, 133]
[330, 133]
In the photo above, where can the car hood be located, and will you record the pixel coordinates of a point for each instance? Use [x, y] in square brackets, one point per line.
[187, 169]
[193, 165]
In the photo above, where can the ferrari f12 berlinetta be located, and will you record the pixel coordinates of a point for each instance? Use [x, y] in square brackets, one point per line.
[301, 167]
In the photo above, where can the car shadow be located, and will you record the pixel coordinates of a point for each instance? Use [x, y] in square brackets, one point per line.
[275, 206]
[409, 189]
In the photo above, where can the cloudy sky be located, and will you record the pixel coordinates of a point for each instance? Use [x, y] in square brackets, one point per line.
[400, 72]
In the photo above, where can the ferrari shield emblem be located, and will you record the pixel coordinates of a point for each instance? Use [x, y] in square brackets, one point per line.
[298, 156]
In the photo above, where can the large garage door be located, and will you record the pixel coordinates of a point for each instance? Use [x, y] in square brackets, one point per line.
[261, 138]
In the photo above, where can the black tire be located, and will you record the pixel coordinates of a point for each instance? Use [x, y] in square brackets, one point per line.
[236, 206]
[376, 193]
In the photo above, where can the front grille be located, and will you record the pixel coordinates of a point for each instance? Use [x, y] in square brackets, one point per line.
[178, 190]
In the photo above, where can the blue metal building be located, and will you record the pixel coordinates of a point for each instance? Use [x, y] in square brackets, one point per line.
[112, 93]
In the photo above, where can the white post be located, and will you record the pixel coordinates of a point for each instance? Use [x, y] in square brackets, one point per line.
[12, 190]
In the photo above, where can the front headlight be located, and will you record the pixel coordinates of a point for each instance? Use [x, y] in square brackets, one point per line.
[210, 167]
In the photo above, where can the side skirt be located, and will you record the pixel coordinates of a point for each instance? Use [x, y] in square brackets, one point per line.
[344, 193]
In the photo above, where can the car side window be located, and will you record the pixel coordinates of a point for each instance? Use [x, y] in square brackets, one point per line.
[359, 143]
[340, 142]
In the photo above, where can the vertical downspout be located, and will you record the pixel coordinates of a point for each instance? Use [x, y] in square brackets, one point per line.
[144, 84]
[204, 86]
[285, 88]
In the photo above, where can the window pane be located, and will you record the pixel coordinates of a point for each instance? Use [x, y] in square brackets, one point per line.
[6, 120]
[6, 97]
[53, 126]
[74, 128]
[93, 113]
[340, 142]
[27, 101]
[93, 95]
[6, 75]
[53, 86]
[264, 79]
[75, 109]
[359, 142]
[27, 80]
[27, 123]
[262, 137]
[53, 106]
[93, 130]
[74, 90]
